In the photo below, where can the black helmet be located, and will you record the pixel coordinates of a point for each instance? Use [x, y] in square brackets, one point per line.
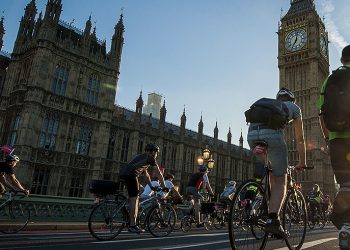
[11, 158]
[152, 148]
[286, 93]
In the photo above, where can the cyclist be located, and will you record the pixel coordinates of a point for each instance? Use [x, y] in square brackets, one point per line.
[130, 174]
[7, 173]
[169, 184]
[227, 195]
[193, 187]
[315, 197]
[278, 156]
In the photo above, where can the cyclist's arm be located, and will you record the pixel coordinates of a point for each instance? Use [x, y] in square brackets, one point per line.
[159, 175]
[207, 184]
[299, 134]
[16, 183]
[148, 179]
[325, 131]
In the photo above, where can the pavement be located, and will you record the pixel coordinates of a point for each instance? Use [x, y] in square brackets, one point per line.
[55, 225]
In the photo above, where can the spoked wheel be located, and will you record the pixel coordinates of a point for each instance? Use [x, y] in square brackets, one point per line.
[208, 222]
[246, 211]
[14, 217]
[295, 219]
[219, 219]
[161, 220]
[107, 220]
[186, 223]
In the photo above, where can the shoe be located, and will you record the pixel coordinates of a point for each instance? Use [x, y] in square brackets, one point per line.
[136, 229]
[273, 226]
[344, 237]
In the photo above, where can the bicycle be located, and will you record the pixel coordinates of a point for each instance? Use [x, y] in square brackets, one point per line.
[14, 216]
[316, 215]
[207, 209]
[108, 218]
[248, 211]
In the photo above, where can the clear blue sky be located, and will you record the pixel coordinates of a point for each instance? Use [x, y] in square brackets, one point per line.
[215, 57]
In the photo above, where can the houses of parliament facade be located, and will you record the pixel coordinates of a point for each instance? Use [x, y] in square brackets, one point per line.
[57, 109]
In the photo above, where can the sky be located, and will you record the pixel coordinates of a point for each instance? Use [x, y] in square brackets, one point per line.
[211, 57]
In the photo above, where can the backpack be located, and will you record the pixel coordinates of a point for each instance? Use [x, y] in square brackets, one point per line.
[335, 109]
[271, 112]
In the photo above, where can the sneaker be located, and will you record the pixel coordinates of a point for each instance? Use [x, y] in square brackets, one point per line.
[273, 226]
[344, 237]
[136, 229]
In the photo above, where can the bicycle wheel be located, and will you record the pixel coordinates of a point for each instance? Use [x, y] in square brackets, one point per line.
[323, 220]
[245, 222]
[186, 223]
[161, 220]
[219, 219]
[108, 219]
[208, 222]
[14, 217]
[294, 219]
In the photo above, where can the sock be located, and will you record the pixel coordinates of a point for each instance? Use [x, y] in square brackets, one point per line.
[272, 215]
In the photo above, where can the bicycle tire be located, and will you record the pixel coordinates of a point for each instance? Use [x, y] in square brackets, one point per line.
[245, 231]
[161, 220]
[294, 219]
[107, 220]
[14, 217]
[208, 222]
[219, 219]
[186, 224]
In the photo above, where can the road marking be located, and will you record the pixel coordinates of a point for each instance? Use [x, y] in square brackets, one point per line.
[164, 238]
[196, 245]
[310, 244]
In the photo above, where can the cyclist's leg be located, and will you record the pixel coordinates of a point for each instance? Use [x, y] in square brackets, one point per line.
[196, 198]
[339, 150]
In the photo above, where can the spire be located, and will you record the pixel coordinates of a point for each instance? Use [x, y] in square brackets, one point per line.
[183, 118]
[139, 104]
[241, 140]
[299, 6]
[163, 112]
[117, 43]
[2, 32]
[38, 24]
[200, 125]
[53, 11]
[216, 131]
[87, 29]
[229, 136]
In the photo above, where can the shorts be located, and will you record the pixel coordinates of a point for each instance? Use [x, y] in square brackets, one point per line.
[193, 191]
[277, 148]
[132, 185]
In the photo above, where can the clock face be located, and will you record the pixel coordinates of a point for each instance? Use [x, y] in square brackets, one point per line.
[295, 40]
[323, 45]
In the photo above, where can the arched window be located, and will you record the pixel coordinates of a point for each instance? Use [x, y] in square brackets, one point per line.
[48, 133]
[14, 130]
[93, 89]
[60, 79]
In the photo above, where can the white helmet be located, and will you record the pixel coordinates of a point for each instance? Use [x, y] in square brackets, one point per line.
[287, 93]
[232, 183]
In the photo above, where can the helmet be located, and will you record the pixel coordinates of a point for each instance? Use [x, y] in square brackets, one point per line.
[283, 92]
[203, 168]
[152, 148]
[316, 186]
[10, 158]
[232, 183]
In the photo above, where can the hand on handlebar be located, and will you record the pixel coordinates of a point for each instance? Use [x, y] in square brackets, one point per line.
[26, 192]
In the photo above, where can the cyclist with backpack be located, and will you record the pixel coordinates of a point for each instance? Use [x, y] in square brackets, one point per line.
[7, 173]
[334, 104]
[130, 174]
[268, 118]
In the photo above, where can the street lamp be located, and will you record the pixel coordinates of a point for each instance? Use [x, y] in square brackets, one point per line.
[205, 159]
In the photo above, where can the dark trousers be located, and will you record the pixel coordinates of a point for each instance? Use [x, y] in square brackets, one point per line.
[339, 150]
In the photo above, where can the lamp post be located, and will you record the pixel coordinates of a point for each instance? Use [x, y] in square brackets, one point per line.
[206, 159]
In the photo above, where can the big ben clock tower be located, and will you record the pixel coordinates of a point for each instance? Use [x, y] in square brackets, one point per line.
[304, 65]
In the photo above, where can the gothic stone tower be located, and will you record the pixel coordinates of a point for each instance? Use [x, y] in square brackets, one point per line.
[58, 99]
[304, 65]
